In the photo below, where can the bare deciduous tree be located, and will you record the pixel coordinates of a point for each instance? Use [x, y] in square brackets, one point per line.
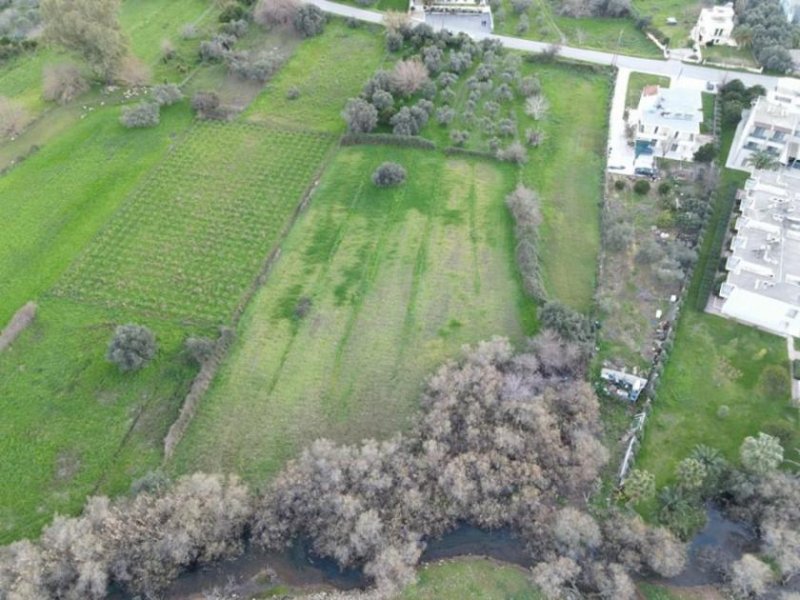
[408, 76]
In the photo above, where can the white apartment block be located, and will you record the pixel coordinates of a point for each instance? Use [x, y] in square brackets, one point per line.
[715, 26]
[762, 288]
[771, 125]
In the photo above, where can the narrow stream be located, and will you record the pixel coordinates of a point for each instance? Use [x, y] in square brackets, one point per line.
[254, 571]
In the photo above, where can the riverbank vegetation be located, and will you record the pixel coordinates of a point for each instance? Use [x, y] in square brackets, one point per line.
[503, 439]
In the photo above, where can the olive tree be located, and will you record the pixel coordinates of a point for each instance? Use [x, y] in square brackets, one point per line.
[142, 114]
[309, 20]
[360, 116]
[167, 94]
[132, 347]
[389, 174]
[89, 28]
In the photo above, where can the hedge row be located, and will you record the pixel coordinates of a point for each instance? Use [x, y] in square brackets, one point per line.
[387, 139]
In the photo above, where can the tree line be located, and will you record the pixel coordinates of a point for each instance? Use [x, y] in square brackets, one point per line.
[504, 439]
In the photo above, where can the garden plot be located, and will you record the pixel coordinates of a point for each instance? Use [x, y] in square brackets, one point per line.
[191, 238]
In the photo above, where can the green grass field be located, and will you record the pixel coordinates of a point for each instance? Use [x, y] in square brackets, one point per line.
[327, 70]
[715, 362]
[397, 281]
[471, 579]
[208, 215]
[72, 424]
[611, 35]
[637, 82]
[567, 172]
[149, 22]
[685, 11]
[58, 199]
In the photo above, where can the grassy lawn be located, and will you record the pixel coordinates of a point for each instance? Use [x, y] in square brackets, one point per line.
[208, 215]
[707, 126]
[733, 57]
[149, 22]
[71, 422]
[611, 35]
[56, 201]
[638, 81]
[567, 172]
[395, 282]
[397, 5]
[715, 362]
[685, 11]
[327, 70]
[471, 578]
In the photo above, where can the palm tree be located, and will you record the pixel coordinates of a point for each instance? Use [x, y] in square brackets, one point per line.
[743, 36]
[761, 160]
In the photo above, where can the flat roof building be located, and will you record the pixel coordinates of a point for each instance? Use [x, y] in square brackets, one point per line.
[771, 125]
[762, 287]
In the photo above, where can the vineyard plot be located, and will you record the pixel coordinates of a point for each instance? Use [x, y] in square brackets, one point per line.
[190, 239]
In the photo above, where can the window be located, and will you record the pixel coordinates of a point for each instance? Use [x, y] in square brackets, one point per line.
[778, 136]
[759, 132]
[674, 147]
[677, 133]
[656, 129]
[751, 146]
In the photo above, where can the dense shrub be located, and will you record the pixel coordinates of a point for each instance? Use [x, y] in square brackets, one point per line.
[514, 153]
[706, 153]
[207, 105]
[394, 41]
[595, 8]
[199, 349]
[167, 94]
[293, 93]
[567, 323]
[142, 114]
[641, 187]
[389, 174]
[275, 12]
[255, 66]
[309, 20]
[63, 83]
[525, 209]
[459, 137]
[232, 11]
[132, 347]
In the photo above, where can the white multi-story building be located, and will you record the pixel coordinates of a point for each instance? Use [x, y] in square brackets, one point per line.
[715, 26]
[771, 125]
[666, 123]
[762, 288]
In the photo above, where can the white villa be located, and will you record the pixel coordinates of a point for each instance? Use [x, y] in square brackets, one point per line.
[666, 124]
[772, 125]
[763, 284]
[715, 26]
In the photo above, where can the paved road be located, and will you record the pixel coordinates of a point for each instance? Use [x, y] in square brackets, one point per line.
[669, 68]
